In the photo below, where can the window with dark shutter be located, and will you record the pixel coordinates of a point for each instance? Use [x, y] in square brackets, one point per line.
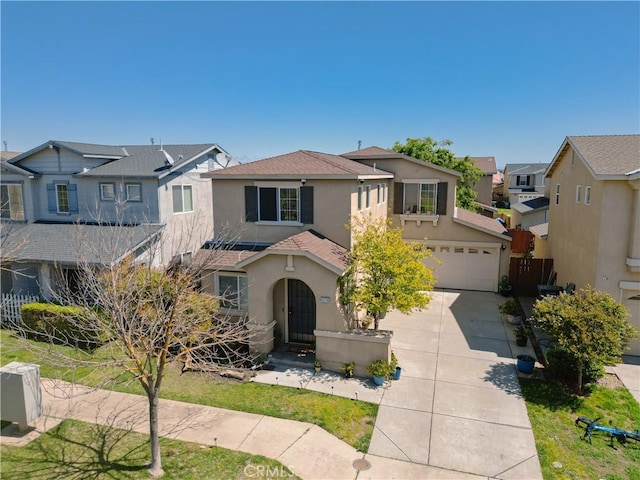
[268, 204]
[251, 203]
[442, 198]
[306, 205]
[398, 197]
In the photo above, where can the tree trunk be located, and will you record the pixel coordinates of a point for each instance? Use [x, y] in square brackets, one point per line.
[376, 320]
[155, 467]
[580, 377]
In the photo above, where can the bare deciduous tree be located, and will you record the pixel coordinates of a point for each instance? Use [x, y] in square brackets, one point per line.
[144, 317]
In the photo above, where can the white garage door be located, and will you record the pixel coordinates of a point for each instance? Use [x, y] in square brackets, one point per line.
[633, 306]
[466, 267]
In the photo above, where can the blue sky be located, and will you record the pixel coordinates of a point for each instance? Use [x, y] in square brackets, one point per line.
[504, 79]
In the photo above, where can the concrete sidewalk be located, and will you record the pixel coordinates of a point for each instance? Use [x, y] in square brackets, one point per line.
[307, 450]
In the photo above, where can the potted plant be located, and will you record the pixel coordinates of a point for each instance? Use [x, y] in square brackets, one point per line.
[396, 370]
[526, 363]
[348, 369]
[380, 370]
[505, 287]
[317, 365]
[522, 335]
[511, 310]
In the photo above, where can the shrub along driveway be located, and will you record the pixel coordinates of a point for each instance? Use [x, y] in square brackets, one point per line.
[458, 403]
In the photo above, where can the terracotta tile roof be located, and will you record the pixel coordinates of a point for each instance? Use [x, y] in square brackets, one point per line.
[609, 154]
[480, 221]
[216, 258]
[314, 243]
[302, 162]
[541, 230]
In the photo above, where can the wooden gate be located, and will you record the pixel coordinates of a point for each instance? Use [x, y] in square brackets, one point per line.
[525, 274]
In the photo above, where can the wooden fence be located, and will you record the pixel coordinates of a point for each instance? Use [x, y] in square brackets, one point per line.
[10, 305]
[525, 274]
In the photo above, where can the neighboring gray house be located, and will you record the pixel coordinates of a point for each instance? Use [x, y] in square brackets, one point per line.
[523, 181]
[66, 202]
[530, 212]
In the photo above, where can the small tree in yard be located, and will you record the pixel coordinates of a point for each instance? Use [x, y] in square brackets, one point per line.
[385, 272]
[147, 318]
[590, 325]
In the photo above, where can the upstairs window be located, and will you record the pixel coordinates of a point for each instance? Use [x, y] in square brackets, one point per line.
[134, 192]
[11, 201]
[423, 197]
[108, 192]
[62, 197]
[360, 192]
[367, 197]
[578, 193]
[587, 195]
[286, 204]
[557, 194]
[182, 198]
[278, 204]
[523, 180]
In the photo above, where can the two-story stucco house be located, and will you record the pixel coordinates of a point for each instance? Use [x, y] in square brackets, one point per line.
[523, 181]
[285, 217]
[594, 217]
[125, 197]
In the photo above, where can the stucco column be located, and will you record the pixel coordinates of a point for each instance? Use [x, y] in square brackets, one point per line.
[44, 277]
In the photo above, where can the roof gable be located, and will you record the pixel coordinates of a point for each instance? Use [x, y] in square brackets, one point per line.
[128, 160]
[525, 168]
[608, 156]
[301, 163]
[377, 153]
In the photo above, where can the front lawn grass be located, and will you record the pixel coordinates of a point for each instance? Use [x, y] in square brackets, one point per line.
[553, 410]
[349, 420]
[77, 451]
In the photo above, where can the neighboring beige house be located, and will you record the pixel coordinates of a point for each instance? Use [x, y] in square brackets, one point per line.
[127, 197]
[523, 181]
[594, 217]
[282, 221]
[484, 187]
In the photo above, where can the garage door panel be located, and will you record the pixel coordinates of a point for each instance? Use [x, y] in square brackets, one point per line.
[465, 267]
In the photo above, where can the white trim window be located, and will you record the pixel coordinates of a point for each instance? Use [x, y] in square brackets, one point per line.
[367, 197]
[133, 192]
[11, 201]
[233, 291]
[108, 192]
[587, 195]
[557, 194]
[279, 204]
[360, 193]
[421, 197]
[62, 198]
[578, 193]
[182, 198]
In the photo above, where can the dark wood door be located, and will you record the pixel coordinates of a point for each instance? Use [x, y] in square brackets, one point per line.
[301, 312]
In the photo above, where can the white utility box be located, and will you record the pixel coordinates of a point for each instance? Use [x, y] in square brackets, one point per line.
[20, 394]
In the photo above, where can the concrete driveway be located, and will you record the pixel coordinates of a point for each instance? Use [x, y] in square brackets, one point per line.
[458, 404]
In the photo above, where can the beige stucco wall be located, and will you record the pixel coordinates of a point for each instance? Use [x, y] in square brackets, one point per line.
[334, 349]
[541, 248]
[334, 201]
[518, 220]
[590, 243]
[484, 189]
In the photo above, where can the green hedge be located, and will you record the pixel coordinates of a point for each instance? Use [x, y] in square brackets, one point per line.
[564, 368]
[59, 324]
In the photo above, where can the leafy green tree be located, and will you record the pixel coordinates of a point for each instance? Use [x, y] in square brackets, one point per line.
[428, 150]
[590, 325]
[385, 272]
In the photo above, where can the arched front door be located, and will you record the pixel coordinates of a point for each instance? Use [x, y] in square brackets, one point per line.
[301, 316]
